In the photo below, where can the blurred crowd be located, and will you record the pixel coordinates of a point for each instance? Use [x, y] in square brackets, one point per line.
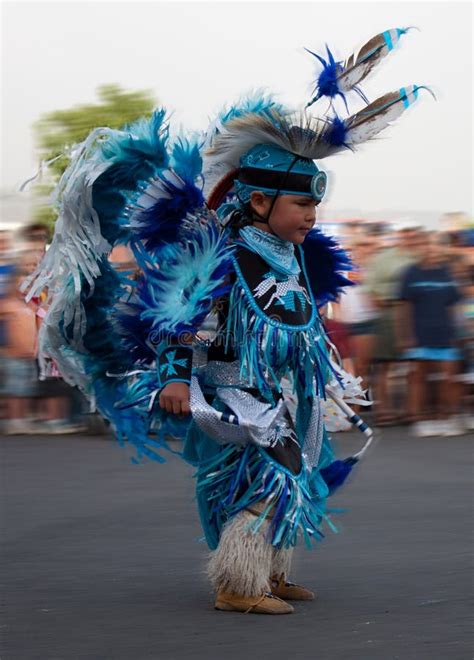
[406, 328]
[29, 405]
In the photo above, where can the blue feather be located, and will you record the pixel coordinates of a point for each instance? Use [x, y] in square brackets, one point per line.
[336, 132]
[104, 352]
[134, 330]
[325, 264]
[186, 159]
[132, 425]
[176, 297]
[326, 83]
[162, 222]
[134, 154]
[337, 472]
[258, 103]
[144, 140]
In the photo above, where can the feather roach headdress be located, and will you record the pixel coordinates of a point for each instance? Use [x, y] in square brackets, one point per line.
[305, 136]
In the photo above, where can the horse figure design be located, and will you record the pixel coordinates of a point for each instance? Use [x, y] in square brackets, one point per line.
[285, 291]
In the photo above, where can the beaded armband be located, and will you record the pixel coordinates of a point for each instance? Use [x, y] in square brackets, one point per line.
[174, 364]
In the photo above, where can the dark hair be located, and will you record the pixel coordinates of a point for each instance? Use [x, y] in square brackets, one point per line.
[238, 219]
[31, 231]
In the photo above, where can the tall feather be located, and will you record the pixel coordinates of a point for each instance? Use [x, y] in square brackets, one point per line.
[367, 123]
[364, 125]
[338, 78]
[357, 67]
[143, 141]
[133, 155]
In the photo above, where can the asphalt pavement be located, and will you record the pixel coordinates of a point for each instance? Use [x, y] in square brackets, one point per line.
[101, 559]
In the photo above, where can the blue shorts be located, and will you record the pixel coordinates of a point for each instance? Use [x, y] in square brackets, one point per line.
[433, 354]
[19, 377]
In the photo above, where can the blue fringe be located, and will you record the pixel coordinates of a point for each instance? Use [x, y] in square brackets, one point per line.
[238, 478]
[133, 426]
[267, 352]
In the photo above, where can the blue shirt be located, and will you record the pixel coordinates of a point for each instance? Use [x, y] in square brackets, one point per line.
[431, 292]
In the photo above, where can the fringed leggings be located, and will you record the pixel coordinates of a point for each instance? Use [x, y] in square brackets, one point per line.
[244, 560]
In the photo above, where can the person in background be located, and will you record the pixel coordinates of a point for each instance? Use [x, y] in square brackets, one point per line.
[465, 324]
[382, 283]
[19, 357]
[7, 270]
[426, 334]
[357, 310]
[34, 239]
[338, 333]
[55, 399]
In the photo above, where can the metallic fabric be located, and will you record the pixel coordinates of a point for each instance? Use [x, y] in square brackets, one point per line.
[314, 434]
[254, 422]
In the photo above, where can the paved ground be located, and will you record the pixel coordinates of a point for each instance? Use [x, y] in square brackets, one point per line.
[101, 560]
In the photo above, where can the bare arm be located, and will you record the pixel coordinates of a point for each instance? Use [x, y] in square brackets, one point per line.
[405, 335]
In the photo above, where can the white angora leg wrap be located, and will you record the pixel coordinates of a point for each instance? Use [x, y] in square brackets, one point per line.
[242, 562]
[281, 561]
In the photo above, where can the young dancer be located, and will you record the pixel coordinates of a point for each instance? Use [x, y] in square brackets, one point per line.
[223, 225]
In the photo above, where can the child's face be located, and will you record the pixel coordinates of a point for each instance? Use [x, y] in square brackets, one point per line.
[292, 216]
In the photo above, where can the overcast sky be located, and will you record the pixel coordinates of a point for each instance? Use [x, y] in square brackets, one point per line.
[196, 57]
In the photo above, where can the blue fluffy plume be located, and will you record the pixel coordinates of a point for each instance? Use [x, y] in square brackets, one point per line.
[326, 263]
[257, 103]
[176, 297]
[337, 472]
[134, 154]
[144, 140]
[162, 222]
[335, 132]
[186, 159]
[104, 352]
[326, 83]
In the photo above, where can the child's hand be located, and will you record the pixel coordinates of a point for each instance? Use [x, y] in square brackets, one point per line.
[174, 398]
